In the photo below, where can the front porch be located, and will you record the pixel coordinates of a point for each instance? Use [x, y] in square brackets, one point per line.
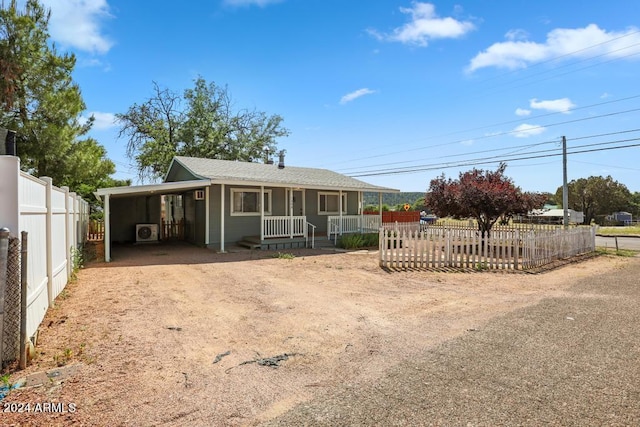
[287, 232]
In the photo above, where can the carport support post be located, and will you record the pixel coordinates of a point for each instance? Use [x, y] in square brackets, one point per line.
[261, 203]
[207, 215]
[380, 207]
[107, 230]
[222, 218]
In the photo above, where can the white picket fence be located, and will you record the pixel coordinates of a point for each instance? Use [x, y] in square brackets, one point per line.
[57, 222]
[464, 248]
[338, 225]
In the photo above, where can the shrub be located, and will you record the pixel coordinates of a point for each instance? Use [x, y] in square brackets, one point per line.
[358, 240]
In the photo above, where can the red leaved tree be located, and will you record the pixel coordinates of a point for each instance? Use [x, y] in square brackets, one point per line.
[486, 196]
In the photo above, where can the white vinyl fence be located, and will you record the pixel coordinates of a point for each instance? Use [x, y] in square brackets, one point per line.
[56, 221]
[463, 248]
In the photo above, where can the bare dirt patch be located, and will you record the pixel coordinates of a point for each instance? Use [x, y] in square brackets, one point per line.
[147, 328]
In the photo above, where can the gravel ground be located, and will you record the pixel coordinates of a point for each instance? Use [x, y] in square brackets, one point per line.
[572, 360]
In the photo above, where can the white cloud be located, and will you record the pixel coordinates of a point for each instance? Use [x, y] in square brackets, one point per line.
[467, 142]
[516, 35]
[425, 25]
[356, 94]
[103, 121]
[561, 42]
[77, 24]
[522, 112]
[605, 95]
[563, 105]
[240, 3]
[525, 130]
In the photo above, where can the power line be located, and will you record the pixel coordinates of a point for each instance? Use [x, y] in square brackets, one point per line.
[568, 54]
[547, 142]
[489, 161]
[505, 157]
[458, 141]
[520, 147]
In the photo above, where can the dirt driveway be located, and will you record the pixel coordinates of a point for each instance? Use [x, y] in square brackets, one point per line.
[184, 336]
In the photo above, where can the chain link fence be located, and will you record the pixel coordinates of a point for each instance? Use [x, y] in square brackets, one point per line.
[12, 292]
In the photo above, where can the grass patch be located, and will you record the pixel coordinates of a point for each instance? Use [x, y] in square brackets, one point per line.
[621, 252]
[619, 230]
[358, 240]
[284, 255]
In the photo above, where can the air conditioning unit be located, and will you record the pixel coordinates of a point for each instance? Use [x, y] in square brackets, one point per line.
[199, 194]
[146, 232]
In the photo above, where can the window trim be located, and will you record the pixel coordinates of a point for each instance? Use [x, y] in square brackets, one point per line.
[267, 193]
[337, 194]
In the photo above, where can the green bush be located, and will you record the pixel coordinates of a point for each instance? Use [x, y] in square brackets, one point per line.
[358, 240]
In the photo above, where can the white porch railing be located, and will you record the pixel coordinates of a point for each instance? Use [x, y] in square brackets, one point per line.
[285, 226]
[352, 224]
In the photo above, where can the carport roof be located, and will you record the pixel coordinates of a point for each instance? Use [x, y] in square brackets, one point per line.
[248, 173]
[145, 190]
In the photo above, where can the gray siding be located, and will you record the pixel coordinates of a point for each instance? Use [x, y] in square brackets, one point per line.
[126, 212]
[237, 227]
[179, 173]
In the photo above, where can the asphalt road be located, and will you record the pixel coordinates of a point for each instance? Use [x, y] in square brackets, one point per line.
[632, 243]
[567, 361]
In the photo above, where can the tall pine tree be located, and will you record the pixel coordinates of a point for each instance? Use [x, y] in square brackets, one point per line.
[42, 103]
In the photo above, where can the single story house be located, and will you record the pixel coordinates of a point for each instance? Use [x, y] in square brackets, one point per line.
[556, 216]
[215, 203]
[623, 217]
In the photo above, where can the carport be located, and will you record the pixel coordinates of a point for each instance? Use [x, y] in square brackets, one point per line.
[127, 207]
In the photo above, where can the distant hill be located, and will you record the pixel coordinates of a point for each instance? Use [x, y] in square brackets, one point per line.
[392, 199]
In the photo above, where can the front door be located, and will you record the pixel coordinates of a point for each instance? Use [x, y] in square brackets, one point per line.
[298, 202]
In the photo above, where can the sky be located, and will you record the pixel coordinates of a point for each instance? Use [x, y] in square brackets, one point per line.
[392, 92]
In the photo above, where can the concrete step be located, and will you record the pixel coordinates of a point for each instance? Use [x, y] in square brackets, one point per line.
[248, 244]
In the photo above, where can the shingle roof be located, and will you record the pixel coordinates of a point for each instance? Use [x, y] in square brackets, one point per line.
[258, 173]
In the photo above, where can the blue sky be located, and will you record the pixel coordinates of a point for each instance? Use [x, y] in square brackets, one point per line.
[387, 86]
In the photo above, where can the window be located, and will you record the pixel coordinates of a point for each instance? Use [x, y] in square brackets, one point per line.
[328, 203]
[245, 201]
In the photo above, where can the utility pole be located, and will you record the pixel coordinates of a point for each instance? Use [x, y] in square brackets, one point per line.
[565, 188]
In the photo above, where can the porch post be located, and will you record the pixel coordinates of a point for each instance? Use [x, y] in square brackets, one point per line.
[340, 209]
[291, 213]
[380, 207]
[207, 215]
[261, 201]
[222, 217]
[107, 229]
[361, 219]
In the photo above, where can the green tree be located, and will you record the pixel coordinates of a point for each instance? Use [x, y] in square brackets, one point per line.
[634, 205]
[43, 104]
[486, 196]
[596, 197]
[201, 123]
